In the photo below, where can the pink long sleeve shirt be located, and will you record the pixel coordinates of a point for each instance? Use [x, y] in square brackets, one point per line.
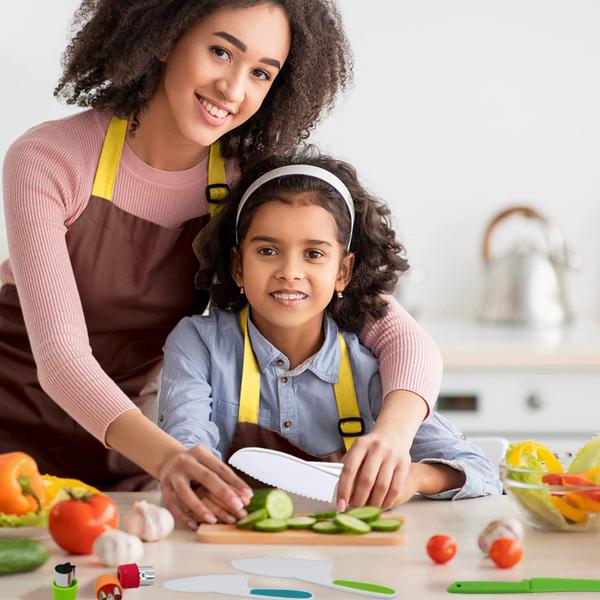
[48, 176]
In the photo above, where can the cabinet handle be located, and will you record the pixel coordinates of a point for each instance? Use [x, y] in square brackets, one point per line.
[534, 402]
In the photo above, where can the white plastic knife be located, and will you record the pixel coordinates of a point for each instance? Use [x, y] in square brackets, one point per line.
[313, 479]
[313, 571]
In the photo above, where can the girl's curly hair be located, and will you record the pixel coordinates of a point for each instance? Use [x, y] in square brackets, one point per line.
[379, 256]
[112, 64]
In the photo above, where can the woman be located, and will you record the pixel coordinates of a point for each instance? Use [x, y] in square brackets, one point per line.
[101, 213]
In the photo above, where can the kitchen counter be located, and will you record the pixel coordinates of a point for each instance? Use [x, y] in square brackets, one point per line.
[468, 344]
[405, 567]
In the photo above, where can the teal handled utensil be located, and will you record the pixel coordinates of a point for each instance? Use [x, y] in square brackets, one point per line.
[232, 585]
[313, 571]
[525, 586]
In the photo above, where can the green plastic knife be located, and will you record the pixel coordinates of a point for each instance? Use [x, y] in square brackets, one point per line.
[535, 584]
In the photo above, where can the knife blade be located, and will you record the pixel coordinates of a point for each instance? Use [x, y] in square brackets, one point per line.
[535, 584]
[311, 479]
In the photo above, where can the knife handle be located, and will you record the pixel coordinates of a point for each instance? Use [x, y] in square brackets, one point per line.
[360, 587]
[489, 587]
[278, 593]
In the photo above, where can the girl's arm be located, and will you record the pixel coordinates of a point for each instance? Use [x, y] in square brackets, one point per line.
[439, 443]
[411, 369]
[185, 408]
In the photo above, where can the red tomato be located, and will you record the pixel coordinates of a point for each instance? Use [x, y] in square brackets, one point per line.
[506, 552]
[75, 523]
[441, 548]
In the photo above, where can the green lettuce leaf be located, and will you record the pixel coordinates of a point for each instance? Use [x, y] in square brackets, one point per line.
[31, 519]
[587, 457]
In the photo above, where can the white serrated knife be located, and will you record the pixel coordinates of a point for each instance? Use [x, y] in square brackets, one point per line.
[313, 479]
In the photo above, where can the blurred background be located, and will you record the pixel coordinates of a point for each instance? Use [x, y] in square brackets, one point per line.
[459, 110]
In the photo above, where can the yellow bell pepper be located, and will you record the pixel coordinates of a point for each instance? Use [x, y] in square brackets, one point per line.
[21, 486]
[516, 456]
[568, 511]
[54, 485]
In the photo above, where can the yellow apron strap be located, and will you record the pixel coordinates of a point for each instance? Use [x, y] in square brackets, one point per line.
[350, 424]
[108, 165]
[217, 188]
[250, 387]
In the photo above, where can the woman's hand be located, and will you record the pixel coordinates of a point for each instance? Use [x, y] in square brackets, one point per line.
[223, 494]
[375, 469]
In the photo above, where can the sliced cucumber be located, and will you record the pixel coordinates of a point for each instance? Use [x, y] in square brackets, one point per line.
[251, 519]
[301, 522]
[326, 527]
[271, 525]
[365, 513]
[279, 505]
[385, 525]
[324, 516]
[21, 555]
[351, 524]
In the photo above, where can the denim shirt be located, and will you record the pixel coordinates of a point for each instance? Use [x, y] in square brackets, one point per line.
[200, 389]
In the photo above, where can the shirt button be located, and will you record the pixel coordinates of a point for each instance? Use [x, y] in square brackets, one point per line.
[279, 362]
[162, 418]
[287, 423]
[283, 379]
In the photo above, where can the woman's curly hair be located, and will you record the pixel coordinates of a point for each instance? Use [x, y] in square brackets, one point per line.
[112, 64]
[379, 256]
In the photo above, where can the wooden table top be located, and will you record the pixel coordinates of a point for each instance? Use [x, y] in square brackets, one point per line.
[406, 567]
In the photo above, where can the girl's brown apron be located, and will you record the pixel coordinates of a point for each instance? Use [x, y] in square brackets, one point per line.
[135, 280]
[248, 433]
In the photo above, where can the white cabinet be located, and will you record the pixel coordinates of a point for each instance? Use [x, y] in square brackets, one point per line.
[559, 408]
[521, 384]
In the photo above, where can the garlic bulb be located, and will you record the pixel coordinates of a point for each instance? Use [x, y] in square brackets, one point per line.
[502, 528]
[148, 521]
[115, 547]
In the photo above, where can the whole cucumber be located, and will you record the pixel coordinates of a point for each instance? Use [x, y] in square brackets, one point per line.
[21, 555]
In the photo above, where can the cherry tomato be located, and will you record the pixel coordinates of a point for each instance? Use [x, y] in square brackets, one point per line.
[75, 523]
[441, 548]
[506, 552]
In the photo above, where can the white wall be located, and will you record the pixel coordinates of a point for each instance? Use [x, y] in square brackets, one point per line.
[459, 108]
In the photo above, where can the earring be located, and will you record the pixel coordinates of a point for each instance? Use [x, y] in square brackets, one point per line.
[340, 295]
[241, 289]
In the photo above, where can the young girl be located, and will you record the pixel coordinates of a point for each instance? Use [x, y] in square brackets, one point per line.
[296, 264]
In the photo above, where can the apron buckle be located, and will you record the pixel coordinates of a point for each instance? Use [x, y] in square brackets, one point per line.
[359, 420]
[219, 196]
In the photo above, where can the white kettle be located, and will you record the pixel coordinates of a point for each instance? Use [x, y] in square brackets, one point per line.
[526, 285]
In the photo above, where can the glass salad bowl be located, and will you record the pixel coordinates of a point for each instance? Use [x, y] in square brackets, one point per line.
[550, 490]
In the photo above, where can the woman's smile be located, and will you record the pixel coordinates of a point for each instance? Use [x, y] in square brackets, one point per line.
[214, 113]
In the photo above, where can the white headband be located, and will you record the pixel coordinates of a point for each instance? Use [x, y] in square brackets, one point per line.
[310, 171]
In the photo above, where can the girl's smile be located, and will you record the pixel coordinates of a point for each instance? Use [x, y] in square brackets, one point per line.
[289, 297]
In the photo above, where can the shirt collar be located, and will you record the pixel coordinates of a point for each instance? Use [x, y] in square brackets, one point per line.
[325, 363]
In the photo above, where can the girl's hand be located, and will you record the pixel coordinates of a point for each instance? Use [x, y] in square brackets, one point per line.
[223, 492]
[375, 469]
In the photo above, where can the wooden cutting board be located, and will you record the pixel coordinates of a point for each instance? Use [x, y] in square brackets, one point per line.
[229, 534]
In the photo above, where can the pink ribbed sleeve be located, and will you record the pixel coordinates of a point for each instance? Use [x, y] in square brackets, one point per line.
[47, 180]
[40, 181]
[408, 357]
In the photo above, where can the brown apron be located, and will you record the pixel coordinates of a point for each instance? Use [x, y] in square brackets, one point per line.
[135, 280]
[248, 433]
